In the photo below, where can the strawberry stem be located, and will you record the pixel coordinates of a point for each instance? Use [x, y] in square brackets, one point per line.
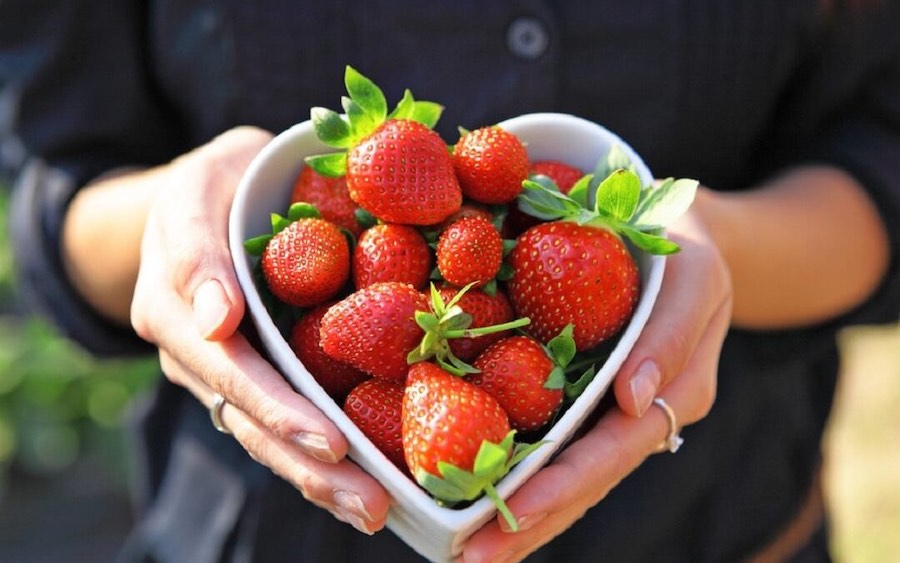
[480, 331]
[492, 494]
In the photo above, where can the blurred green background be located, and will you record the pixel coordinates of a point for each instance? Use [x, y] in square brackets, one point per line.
[63, 441]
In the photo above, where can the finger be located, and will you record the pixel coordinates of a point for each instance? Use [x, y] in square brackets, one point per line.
[696, 288]
[196, 230]
[235, 370]
[344, 489]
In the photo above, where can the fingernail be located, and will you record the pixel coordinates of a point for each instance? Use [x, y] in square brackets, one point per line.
[315, 445]
[210, 306]
[525, 522]
[351, 508]
[644, 385]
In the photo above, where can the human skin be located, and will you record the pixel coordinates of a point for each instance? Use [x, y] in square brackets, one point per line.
[168, 272]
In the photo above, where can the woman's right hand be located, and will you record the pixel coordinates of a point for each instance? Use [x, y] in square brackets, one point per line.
[187, 301]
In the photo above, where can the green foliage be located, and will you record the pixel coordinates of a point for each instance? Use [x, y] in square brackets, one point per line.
[57, 402]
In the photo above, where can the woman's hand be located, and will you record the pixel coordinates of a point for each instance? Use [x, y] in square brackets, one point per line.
[676, 358]
[187, 301]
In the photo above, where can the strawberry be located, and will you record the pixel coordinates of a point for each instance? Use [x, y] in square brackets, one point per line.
[470, 250]
[306, 261]
[329, 195]
[491, 164]
[467, 209]
[456, 438]
[374, 328]
[398, 168]
[563, 175]
[517, 372]
[336, 378]
[391, 252]
[485, 310]
[375, 407]
[565, 273]
[576, 269]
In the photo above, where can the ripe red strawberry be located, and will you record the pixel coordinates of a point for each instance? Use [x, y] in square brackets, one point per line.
[470, 250]
[445, 419]
[375, 407]
[336, 378]
[398, 169]
[485, 310]
[575, 269]
[456, 438]
[515, 371]
[329, 195]
[375, 328]
[391, 252]
[565, 273]
[402, 173]
[307, 262]
[563, 175]
[491, 164]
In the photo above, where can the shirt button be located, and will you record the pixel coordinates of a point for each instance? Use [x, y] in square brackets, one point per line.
[527, 38]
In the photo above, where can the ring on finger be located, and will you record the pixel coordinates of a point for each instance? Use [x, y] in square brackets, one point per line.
[215, 413]
[673, 441]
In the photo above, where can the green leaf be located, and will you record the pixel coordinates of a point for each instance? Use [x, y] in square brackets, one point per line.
[257, 245]
[365, 93]
[361, 123]
[544, 202]
[302, 210]
[405, 107]
[426, 320]
[331, 164]
[581, 189]
[331, 127]
[364, 218]
[665, 203]
[616, 158]
[427, 113]
[556, 379]
[562, 346]
[576, 388]
[279, 223]
[649, 243]
[490, 461]
[469, 485]
[618, 195]
[439, 488]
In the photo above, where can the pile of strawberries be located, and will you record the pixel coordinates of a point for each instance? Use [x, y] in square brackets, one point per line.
[441, 293]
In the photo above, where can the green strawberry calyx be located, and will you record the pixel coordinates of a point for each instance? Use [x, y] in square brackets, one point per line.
[256, 245]
[445, 321]
[492, 462]
[612, 197]
[365, 110]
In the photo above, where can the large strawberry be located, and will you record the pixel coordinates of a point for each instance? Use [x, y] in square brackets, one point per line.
[375, 406]
[456, 437]
[491, 164]
[397, 167]
[306, 259]
[469, 251]
[375, 328]
[576, 269]
[335, 377]
[391, 252]
[329, 195]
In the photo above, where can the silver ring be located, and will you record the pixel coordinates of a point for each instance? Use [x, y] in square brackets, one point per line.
[215, 413]
[673, 441]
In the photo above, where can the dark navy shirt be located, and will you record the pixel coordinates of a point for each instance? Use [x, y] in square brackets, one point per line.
[723, 91]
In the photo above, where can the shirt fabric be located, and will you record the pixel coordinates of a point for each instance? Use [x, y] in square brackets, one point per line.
[725, 92]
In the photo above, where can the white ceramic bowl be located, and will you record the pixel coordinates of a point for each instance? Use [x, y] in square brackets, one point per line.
[434, 532]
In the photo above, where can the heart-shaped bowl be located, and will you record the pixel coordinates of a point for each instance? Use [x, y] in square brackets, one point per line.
[435, 532]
